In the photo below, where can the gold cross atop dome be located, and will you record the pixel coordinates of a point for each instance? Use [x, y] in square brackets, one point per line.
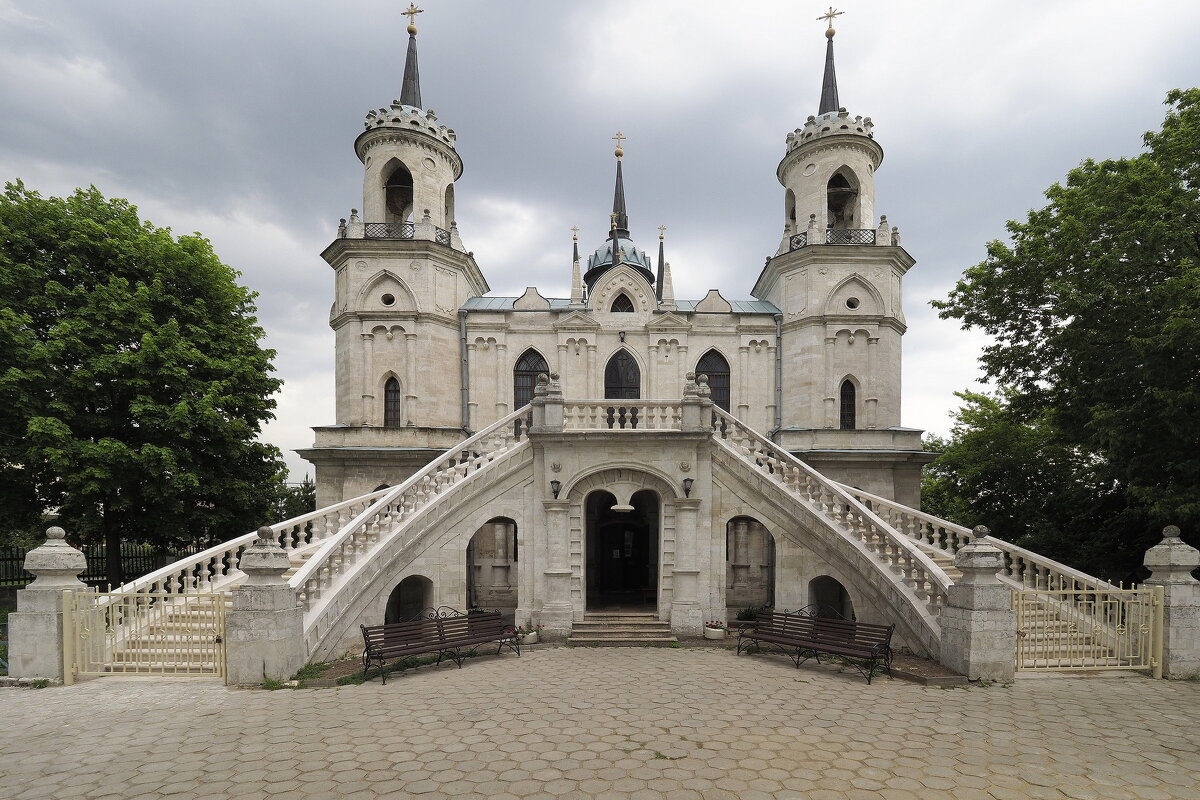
[618, 139]
[662, 231]
[829, 15]
[575, 232]
[411, 13]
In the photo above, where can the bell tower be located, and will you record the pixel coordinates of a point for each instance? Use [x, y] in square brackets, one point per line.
[837, 279]
[401, 274]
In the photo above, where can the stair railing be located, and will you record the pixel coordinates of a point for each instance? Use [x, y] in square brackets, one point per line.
[393, 507]
[1023, 566]
[830, 500]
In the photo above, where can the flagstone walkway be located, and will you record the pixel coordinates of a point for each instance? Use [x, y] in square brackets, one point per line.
[605, 723]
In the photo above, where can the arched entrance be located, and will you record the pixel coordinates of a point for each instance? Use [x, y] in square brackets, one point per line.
[749, 565]
[411, 596]
[622, 552]
[830, 597]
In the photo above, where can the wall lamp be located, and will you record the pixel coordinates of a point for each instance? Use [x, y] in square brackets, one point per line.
[622, 336]
[555, 488]
[687, 486]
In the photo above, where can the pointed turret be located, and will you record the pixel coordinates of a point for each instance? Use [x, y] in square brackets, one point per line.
[829, 95]
[619, 215]
[619, 249]
[410, 91]
[658, 284]
[576, 279]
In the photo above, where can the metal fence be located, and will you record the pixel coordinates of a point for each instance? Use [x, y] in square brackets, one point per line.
[136, 560]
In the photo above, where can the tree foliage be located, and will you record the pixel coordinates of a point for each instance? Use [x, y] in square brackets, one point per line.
[131, 374]
[1094, 309]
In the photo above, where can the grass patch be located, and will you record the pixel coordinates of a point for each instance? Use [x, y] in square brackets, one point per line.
[40, 683]
[271, 685]
[412, 662]
[310, 671]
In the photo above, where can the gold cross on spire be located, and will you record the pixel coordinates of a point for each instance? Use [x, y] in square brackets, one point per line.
[662, 231]
[575, 232]
[830, 14]
[613, 219]
[411, 13]
[620, 137]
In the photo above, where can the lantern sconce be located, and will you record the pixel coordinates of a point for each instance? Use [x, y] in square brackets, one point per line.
[555, 488]
[687, 486]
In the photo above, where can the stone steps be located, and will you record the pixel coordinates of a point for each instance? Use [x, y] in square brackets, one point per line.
[620, 630]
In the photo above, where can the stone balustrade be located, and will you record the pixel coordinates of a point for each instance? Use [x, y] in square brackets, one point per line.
[622, 415]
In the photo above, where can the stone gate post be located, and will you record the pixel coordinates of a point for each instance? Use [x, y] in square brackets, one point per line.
[264, 632]
[1171, 561]
[35, 629]
[979, 627]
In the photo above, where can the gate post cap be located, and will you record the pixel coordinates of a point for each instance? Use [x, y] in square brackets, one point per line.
[1171, 560]
[980, 531]
[264, 562]
[55, 563]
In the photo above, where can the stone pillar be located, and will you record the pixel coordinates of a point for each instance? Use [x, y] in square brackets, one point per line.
[502, 378]
[557, 612]
[35, 629]
[368, 386]
[1172, 562]
[547, 405]
[692, 414]
[264, 631]
[685, 602]
[410, 384]
[979, 627]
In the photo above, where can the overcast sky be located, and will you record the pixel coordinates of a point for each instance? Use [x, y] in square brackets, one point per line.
[236, 119]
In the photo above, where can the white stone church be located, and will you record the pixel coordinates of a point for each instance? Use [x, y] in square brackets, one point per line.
[425, 358]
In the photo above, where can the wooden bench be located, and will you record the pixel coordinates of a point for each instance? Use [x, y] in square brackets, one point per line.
[445, 631]
[801, 636]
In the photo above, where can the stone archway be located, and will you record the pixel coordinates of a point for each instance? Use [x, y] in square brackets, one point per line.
[621, 551]
[623, 485]
[749, 564]
[409, 598]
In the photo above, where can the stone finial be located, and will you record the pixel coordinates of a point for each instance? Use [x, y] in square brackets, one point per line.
[702, 385]
[353, 215]
[895, 236]
[264, 562]
[979, 561]
[56, 564]
[1171, 560]
[689, 384]
[980, 531]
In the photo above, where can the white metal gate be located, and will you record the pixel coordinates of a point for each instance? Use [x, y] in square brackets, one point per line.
[1089, 629]
[159, 633]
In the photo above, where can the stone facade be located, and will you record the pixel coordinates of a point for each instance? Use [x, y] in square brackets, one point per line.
[813, 362]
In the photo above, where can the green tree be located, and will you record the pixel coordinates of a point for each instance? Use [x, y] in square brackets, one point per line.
[132, 377]
[297, 499]
[1094, 309]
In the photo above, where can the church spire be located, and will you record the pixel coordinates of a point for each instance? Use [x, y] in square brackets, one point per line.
[829, 92]
[658, 284]
[619, 215]
[410, 91]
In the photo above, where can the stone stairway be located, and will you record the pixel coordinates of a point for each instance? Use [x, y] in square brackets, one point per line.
[621, 629]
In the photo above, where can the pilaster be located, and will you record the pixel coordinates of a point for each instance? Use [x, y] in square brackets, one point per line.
[686, 616]
[557, 611]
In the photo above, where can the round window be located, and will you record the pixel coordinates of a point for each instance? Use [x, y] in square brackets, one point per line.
[389, 299]
[851, 302]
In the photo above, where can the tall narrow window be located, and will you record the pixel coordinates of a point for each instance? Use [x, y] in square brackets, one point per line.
[529, 366]
[848, 405]
[622, 303]
[622, 378]
[392, 416]
[714, 365]
[398, 194]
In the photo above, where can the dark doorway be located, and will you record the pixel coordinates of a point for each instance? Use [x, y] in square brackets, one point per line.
[622, 377]
[410, 597]
[622, 553]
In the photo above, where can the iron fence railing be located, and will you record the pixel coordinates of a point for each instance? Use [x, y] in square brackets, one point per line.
[389, 230]
[136, 559]
[441, 236]
[798, 241]
[850, 236]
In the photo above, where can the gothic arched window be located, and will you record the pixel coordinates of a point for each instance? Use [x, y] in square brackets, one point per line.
[392, 398]
[841, 195]
[848, 405]
[398, 194]
[714, 365]
[529, 366]
[622, 377]
[622, 303]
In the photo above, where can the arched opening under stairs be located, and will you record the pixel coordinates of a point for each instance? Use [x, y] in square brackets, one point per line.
[621, 552]
[492, 567]
[714, 365]
[749, 565]
[829, 598]
[408, 599]
[398, 195]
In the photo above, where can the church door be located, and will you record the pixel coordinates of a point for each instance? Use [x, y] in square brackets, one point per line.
[622, 552]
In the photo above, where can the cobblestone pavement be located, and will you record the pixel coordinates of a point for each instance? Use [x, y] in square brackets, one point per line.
[605, 723]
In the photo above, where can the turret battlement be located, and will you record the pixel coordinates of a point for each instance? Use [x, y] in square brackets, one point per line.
[831, 124]
[410, 118]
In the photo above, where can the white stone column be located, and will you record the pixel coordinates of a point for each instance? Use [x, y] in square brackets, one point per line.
[979, 627]
[368, 387]
[681, 362]
[503, 392]
[35, 629]
[871, 403]
[743, 398]
[831, 396]
[557, 611]
[593, 380]
[410, 361]
[264, 631]
[652, 389]
[1171, 561]
[685, 603]
[561, 367]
